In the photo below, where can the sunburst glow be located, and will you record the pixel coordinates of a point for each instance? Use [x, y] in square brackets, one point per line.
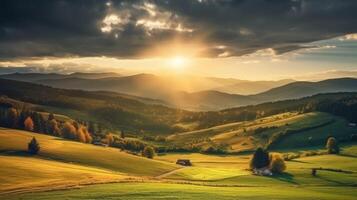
[178, 62]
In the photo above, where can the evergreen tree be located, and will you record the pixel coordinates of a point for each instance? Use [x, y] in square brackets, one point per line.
[260, 159]
[33, 146]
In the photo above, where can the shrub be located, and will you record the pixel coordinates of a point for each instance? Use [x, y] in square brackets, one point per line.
[148, 152]
[260, 159]
[28, 124]
[33, 146]
[277, 164]
[332, 146]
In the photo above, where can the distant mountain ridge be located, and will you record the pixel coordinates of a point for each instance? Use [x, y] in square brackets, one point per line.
[166, 90]
[33, 77]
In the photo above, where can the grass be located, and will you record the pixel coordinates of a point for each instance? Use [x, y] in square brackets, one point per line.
[64, 164]
[84, 154]
[180, 191]
[311, 129]
[25, 173]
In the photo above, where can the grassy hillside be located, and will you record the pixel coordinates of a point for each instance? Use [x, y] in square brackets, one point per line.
[287, 130]
[66, 165]
[83, 154]
[24, 173]
[110, 109]
[226, 177]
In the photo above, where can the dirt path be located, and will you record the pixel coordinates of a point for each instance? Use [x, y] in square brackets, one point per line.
[168, 173]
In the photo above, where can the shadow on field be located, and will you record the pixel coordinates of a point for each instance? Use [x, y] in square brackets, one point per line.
[15, 153]
[298, 161]
[333, 181]
[285, 177]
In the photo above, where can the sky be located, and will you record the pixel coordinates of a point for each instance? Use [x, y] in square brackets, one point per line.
[243, 39]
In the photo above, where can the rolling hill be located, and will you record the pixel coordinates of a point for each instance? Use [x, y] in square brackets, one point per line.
[252, 87]
[53, 148]
[193, 93]
[63, 164]
[115, 111]
[286, 130]
[185, 93]
[33, 77]
[302, 89]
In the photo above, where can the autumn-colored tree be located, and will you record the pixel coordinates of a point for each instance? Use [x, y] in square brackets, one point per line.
[332, 146]
[109, 138]
[87, 135]
[69, 131]
[28, 124]
[80, 136]
[53, 128]
[33, 146]
[148, 152]
[277, 164]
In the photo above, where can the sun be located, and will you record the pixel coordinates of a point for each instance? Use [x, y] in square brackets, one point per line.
[178, 62]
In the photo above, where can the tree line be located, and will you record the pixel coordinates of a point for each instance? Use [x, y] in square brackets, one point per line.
[37, 122]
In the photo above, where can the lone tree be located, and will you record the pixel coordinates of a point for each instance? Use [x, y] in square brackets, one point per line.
[277, 164]
[260, 159]
[148, 152]
[332, 146]
[28, 124]
[33, 147]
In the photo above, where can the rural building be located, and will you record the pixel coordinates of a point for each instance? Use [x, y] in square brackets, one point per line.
[184, 162]
[265, 171]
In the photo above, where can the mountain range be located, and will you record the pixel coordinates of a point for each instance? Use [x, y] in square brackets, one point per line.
[201, 94]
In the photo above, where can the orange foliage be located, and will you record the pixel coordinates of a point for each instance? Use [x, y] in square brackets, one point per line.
[28, 123]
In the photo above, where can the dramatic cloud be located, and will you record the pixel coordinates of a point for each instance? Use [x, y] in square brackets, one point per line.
[131, 28]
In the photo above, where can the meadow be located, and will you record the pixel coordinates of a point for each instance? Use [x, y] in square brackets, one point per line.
[307, 129]
[58, 173]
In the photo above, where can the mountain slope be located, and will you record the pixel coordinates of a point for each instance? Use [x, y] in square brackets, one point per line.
[111, 109]
[252, 87]
[33, 77]
[303, 89]
[168, 91]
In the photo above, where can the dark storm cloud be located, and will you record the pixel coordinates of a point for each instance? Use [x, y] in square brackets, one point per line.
[127, 28]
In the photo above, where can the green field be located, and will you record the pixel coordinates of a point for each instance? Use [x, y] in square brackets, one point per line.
[72, 170]
[182, 191]
[84, 154]
[224, 177]
[310, 129]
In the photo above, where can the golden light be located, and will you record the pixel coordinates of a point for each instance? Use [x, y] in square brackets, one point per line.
[178, 62]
